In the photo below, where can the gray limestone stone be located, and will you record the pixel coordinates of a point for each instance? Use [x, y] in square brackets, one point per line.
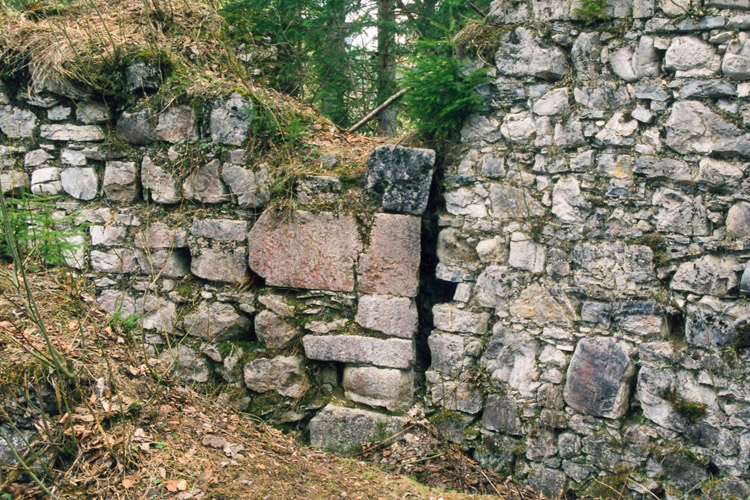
[214, 321]
[692, 127]
[448, 317]
[283, 374]
[390, 264]
[159, 183]
[120, 181]
[619, 131]
[553, 102]
[136, 127]
[396, 316]
[609, 268]
[204, 184]
[36, 158]
[691, 56]
[501, 415]
[585, 52]
[67, 132]
[73, 157]
[250, 186]
[402, 176]
[568, 204]
[14, 180]
[59, 113]
[511, 360]
[679, 213]
[177, 124]
[219, 264]
[318, 189]
[389, 353]
[116, 260]
[598, 380]
[663, 168]
[452, 355]
[518, 128]
[525, 253]
[312, 251]
[384, 387]
[737, 65]
[157, 314]
[92, 112]
[274, 331]
[220, 229]
[710, 89]
[17, 123]
[454, 395]
[143, 75]
[46, 181]
[188, 364]
[80, 183]
[709, 275]
[342, 429]
[719, 175]
[160, 235]
[107, 235]
[548, 482]
[521, 55]
[230, 120]
[166, 263]
[738, 220]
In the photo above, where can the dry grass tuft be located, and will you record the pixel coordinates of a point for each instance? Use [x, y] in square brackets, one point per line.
[79, 41]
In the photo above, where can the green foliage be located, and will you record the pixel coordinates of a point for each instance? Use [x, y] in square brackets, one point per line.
[127, 322]
[592, 11]
[38, 230]
[442, 93]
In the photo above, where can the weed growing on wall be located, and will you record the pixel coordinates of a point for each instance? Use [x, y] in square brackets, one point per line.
[592, 11]
[442, 92]
[37, 230]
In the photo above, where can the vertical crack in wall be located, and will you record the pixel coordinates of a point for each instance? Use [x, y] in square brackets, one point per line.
[431, 290]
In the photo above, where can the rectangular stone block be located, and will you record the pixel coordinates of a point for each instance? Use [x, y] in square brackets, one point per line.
[312, 251]
[389, 388]
[390, 353]
[66, 132]
[228, 265]
[395, 316]
[390, 265]
[342, 429]
[598, 381]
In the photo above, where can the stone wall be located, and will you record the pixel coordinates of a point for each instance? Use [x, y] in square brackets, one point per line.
[187, 250]
[596, 227]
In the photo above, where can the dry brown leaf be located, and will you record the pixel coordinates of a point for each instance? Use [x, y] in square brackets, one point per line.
[174, 485]
[129, 481]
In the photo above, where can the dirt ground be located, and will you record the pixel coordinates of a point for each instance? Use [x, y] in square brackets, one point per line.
[131, 431]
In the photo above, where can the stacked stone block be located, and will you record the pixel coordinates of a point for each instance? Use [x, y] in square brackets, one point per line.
[594, 227]
[179, 238]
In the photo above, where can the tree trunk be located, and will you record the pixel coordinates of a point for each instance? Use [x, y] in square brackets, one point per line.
[385, 84]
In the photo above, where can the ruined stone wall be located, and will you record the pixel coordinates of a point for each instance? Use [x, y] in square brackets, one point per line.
[174, 221]
[596, 227]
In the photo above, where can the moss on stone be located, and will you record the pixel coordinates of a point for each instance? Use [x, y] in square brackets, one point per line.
[691, 411]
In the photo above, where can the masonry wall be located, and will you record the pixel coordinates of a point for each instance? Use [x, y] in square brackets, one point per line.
[172, 217]
[596, 227]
